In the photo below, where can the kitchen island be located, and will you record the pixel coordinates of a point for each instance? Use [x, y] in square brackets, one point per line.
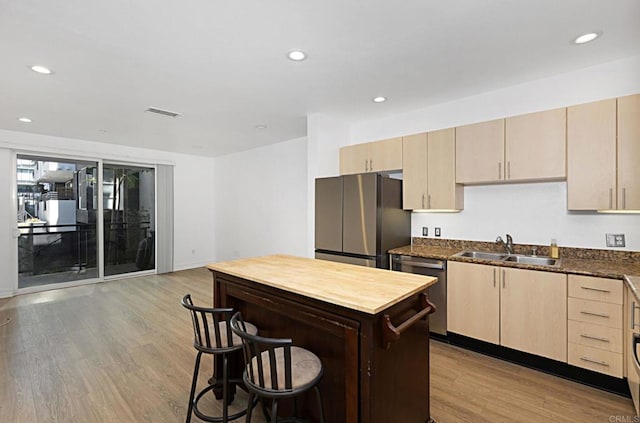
[368, 326]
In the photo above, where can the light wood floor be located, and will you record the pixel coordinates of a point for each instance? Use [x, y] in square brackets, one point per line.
[121, 352]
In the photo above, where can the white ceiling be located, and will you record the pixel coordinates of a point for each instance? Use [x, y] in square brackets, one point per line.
[223, 66]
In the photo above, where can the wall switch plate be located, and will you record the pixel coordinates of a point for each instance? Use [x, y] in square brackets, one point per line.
[425, 231]
[437, 231]
[615, 240]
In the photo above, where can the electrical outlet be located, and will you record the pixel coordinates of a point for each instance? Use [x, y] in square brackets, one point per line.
[425, 231]
[615, 240]
[437, 231]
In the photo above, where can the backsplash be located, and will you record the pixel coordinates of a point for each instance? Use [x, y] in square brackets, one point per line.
[630, 257]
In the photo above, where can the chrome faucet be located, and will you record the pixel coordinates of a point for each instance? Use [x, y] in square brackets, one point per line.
[508, 246]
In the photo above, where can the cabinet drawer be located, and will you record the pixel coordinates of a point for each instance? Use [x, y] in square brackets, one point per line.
[598, 289]
[595, 336]
[606, 362]
[596, 312]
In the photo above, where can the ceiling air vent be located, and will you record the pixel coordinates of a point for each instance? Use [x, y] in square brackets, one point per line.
[162, 112]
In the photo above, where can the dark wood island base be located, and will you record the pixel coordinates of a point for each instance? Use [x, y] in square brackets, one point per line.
[376, 367]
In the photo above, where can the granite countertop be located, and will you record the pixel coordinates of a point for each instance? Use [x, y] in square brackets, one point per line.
[580, 266]
[355, 287]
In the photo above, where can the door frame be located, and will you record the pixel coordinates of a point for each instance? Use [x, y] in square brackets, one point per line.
[15, 152]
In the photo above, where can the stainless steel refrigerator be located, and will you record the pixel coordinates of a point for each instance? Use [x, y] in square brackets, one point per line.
[359, 218]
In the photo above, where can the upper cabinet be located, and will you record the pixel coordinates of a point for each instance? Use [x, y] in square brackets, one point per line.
[429, 172]
[521, 148]
[604, 152]
[480, 152]
[535, 146]
[629, 152]
[378, 156]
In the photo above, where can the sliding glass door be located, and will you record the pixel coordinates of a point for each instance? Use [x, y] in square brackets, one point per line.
[128, 218]
[57, 220]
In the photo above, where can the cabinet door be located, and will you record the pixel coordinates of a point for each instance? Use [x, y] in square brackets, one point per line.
[591, 156]
[414, 172]
[354, 159]
[535, 146]
[386, 155]
[480, 152]
[629, 152]
[443, 192]
[533, 312]
[473, 301]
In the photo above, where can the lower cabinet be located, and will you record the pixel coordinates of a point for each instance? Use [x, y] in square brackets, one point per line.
[521, 309]
[473, 301]
[595, 324]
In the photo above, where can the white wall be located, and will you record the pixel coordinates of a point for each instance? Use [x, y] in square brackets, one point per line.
[8, 247]
[193, 206]
[194, 201]
[532, 213]
[261, 201]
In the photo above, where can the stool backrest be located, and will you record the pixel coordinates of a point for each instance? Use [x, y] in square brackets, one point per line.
[262, 356]
[205, 320]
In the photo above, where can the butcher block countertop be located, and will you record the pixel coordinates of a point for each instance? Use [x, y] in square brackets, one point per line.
[355, 287]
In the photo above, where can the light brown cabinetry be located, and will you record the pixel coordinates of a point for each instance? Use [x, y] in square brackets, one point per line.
[378, 156]
[530, 147]
[473, 301]
[603, 146]
[533, 312]
[591, 149]
[629, 152]
[429, 171]
[480, 152]
[595, 324]
[521, 309]
[535, 146]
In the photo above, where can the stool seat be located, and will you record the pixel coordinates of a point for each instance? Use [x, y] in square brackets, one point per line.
[306, 368]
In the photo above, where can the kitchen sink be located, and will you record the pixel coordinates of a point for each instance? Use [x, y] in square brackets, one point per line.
[512, 258]
[545, 261]
[482, 255]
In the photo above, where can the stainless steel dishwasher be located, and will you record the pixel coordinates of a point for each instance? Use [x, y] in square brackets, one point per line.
[437, 293]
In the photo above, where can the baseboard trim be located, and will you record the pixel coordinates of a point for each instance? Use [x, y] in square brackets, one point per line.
[6, 293]
[556, 368]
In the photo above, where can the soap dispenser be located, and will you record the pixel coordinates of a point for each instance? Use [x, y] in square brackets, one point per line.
[553, 250]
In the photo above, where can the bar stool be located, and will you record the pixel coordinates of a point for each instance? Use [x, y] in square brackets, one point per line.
[212, 335]
[276, 369]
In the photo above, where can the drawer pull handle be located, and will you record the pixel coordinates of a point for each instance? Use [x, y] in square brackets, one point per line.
[595, 338]
[595, 289]
[606, 316]
[602, 363]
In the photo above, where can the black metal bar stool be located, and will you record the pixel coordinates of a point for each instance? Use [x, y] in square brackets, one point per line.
[276, 369]
[212, 335]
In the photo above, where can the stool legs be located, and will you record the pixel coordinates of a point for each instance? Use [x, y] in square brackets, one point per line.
[225, 389]
[319, 403]
[194, 382]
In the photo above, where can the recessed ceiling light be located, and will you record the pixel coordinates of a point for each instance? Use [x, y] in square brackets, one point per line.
[25, 120]
[41, 69]
[379, 99]
[585, 38]
[297, 55]
[261, 126]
